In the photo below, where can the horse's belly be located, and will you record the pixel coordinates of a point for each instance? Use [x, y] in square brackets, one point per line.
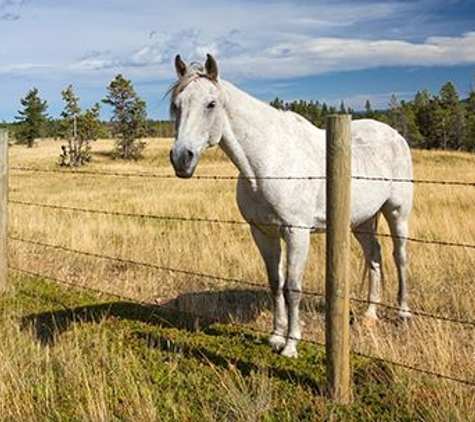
[367, 198]
[273, 209]
[307, 208]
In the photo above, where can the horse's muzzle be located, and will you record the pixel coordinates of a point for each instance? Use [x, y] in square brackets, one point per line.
[184, 162]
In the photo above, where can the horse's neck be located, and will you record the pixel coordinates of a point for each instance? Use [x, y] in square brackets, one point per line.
[247, 132]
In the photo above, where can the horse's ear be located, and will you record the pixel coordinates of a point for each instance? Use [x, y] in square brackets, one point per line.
[211, 67]
[180, 66]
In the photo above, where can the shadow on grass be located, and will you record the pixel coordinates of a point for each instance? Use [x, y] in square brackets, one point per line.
[191, 312]
[208, 326]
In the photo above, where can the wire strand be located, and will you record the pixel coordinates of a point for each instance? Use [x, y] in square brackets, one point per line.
[247, 283]
[232, 177]
[152, 266]
[229, 222]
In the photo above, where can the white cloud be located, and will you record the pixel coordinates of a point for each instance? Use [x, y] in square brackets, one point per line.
[161, 48]
[322, 55]
[10, 10]
[281, 39]
[56, 42]
[24, 67]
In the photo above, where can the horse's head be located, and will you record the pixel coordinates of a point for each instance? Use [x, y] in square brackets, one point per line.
[196, 106]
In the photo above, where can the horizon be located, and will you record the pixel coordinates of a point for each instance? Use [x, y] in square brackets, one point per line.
[332, 52]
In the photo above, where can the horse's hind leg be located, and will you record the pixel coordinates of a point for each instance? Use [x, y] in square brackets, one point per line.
[298, 242]
[271, 252]
[365, 234]
[398, 225]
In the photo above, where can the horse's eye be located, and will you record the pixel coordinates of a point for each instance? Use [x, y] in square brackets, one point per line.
[211, 105]
[175, 110]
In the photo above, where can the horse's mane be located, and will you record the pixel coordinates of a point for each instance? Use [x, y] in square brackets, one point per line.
[194, 71]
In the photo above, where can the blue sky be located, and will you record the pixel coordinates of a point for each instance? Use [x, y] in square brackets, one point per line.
[332, 51]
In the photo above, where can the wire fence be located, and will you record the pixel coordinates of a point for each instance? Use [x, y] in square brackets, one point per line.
[247, 283]
[82, 172]
[468, 383]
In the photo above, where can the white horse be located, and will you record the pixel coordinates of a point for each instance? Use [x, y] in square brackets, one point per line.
[281, 189]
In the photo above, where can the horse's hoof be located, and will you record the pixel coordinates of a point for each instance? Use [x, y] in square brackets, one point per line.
[405, 316]
[289, 352]
[277, 342]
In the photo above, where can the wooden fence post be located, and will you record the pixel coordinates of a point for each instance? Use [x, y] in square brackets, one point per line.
[338, 139]
[3, 209]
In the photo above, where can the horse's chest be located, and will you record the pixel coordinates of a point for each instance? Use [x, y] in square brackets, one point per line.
[255, 205]
[271, 207]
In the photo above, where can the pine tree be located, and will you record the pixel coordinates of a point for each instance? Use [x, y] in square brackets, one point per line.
[32, 118]
[129, 118]
[453, 117]
[369, 113]
[409, 128]
[469, 138]
[343, 109]
[277, 103]
[395, 114]
[79, 129]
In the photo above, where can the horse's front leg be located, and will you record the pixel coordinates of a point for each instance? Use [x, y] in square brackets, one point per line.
[298, 241]
[271, 252]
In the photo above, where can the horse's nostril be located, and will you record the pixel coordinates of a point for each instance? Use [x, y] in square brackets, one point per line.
[188, 157]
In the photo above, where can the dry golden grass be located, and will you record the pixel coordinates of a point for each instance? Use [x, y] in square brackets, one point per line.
[441, 278]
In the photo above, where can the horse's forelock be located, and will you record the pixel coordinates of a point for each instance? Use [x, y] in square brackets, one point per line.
[195, 72]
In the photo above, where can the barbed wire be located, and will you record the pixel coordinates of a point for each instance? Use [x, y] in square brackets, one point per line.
[421, 241]
[468, 383]
[247, 283]
[149, 265]
[237, 177]
[416, 312]
[228, 222]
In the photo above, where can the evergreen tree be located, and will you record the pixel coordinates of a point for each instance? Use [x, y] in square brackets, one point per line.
[343, 109]
[469, 138]
[129, 118]
[395, 114]
[369, 113]
[409, 128]
[436, 127]
[32, 118]
[421, 107]
[69, 115]
[79, 129]
[453, 117]
[277, 103]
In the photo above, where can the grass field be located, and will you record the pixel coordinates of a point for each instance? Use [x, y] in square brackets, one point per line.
[70, 354]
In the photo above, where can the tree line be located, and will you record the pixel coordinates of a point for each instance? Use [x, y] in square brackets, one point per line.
[441, 121]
